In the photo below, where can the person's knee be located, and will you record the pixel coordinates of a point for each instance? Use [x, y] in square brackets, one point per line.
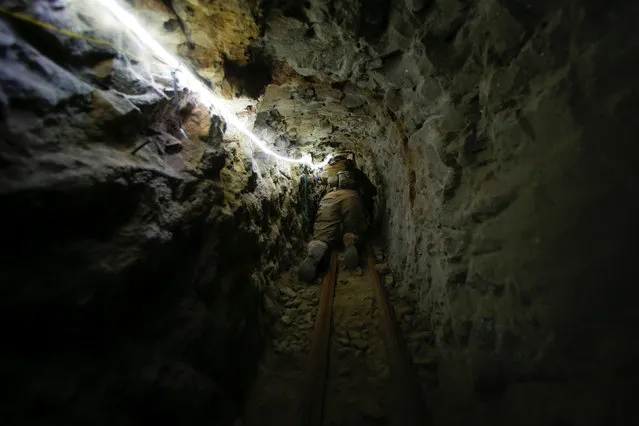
[317, 249]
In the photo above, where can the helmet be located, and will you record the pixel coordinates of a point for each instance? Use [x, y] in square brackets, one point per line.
[341, 161]
[348, 156]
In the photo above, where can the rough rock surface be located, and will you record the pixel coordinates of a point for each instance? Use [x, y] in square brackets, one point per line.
[214, 37]
[133, 280]
[504, 137]
[501, 133]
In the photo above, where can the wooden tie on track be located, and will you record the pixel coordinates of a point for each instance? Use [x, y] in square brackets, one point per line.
[407, 402]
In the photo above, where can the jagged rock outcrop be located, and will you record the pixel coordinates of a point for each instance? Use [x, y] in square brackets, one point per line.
[134, 262]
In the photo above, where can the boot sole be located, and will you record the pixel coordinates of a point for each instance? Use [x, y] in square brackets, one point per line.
[307, 273]
[351, 258]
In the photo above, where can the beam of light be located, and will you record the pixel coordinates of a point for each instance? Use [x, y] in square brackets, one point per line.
[188, 79]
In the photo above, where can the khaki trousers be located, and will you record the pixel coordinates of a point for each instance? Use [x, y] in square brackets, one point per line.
[339, 207]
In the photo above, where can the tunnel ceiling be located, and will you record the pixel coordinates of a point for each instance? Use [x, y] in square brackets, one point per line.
[319, 68]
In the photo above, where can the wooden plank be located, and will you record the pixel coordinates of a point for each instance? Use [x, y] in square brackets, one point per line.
[313, 395]
[407, 399]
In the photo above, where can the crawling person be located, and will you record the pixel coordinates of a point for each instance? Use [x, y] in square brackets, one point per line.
[343, 212]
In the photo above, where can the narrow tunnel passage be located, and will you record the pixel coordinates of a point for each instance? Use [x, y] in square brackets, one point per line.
[159, 186]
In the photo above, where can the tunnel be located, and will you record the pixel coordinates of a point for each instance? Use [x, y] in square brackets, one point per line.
[160, 180]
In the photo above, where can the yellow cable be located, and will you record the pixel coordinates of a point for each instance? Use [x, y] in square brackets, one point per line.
[68, 33]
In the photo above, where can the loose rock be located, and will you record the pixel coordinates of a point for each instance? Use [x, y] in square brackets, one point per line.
[288, 292]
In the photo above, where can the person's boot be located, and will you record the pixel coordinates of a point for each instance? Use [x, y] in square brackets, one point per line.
[351, 256]
[308, 267]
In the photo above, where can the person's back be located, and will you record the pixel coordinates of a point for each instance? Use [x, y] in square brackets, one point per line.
[342, 211]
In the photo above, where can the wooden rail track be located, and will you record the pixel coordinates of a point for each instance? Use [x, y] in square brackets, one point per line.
[406, 396]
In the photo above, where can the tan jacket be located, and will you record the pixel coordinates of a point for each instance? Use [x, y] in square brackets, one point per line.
[361, 182]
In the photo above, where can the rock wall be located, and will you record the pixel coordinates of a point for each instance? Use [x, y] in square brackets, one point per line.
[134, 264]
[504, 138]
[514, 146]
[501, 133]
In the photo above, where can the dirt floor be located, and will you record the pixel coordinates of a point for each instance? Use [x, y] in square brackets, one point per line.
[358, 373]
